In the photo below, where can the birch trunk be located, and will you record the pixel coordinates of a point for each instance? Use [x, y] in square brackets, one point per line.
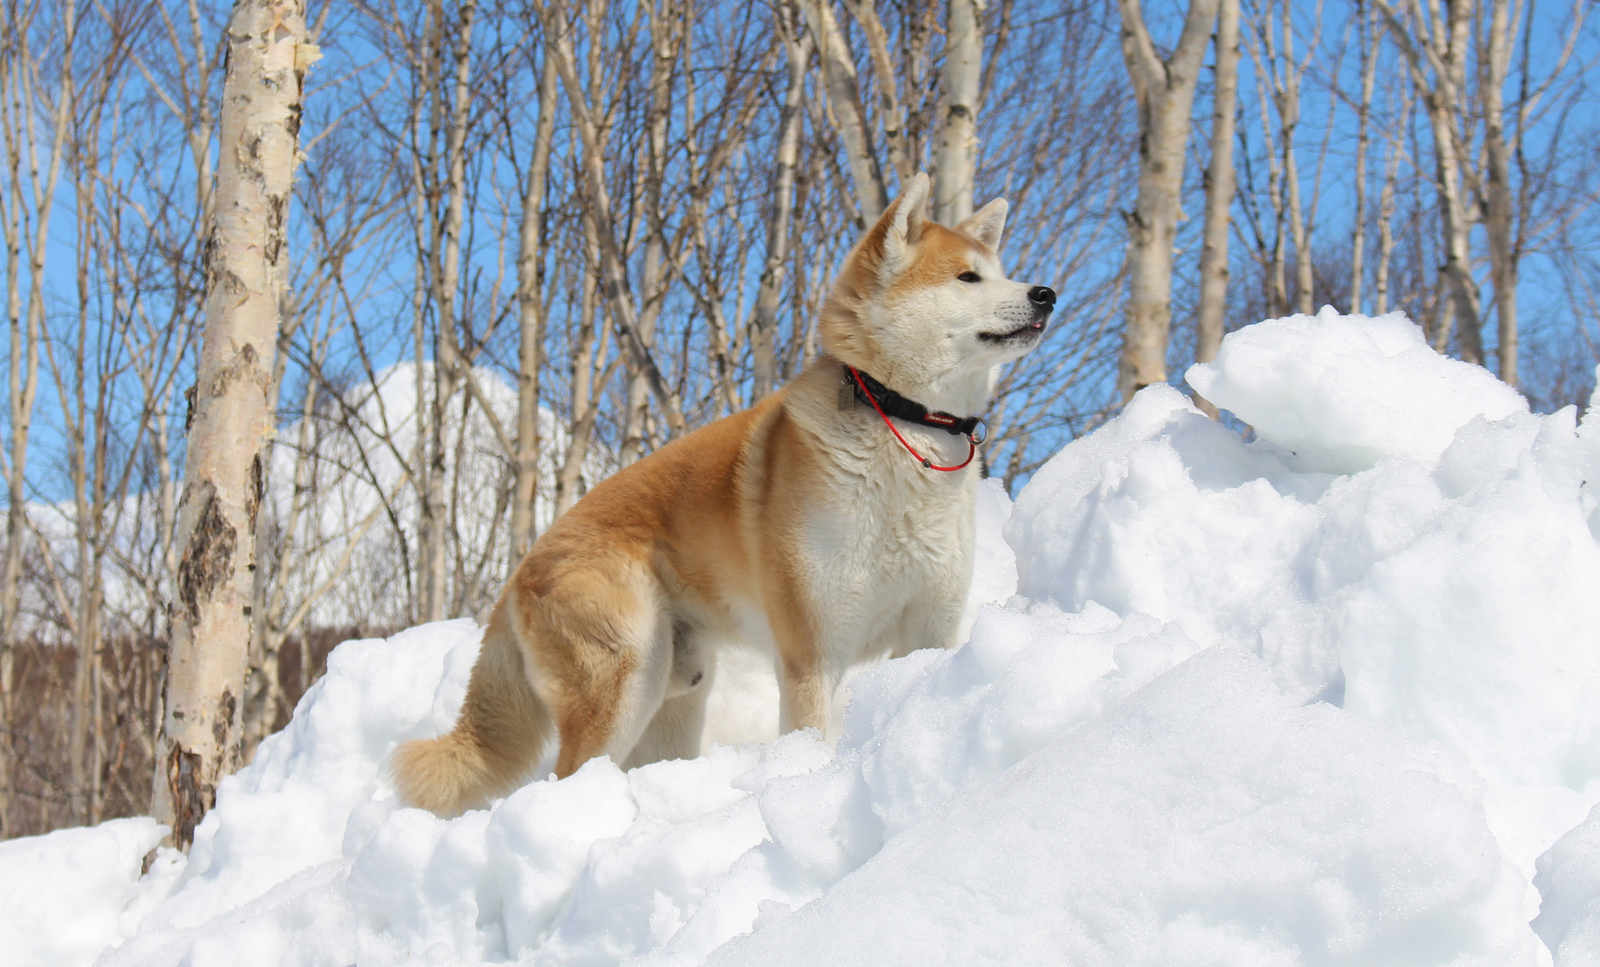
[1289, 118]
[25, 325]
[530, 316]
[665, 38]
[891, 113]
[445, 275]
[1221, 186]
[232, 412]
[848, 117]
[955, 160]
[1442, 50]
[1369, 75]
[764, 324]
[569, 478]
[1164, 93]
[1499, 214]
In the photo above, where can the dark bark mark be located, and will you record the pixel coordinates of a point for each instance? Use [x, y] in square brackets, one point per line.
[188, 410]
[276, 208]
[192, 797]
[245, 359]
[253, 495]
[223, 724]
[208, 558]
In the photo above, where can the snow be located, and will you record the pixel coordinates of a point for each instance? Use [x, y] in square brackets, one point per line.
[1322, 694]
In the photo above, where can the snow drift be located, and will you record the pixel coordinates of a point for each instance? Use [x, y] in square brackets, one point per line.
[1327, 696]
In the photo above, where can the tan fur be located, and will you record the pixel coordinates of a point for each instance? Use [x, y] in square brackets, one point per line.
[781, 522]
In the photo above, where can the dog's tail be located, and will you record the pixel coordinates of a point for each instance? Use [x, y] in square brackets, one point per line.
[496, 742]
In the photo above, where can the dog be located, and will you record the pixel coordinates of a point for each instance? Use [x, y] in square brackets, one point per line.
[832, 521]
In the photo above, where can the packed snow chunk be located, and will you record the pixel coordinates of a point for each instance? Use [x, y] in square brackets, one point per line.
[310, 777]
[1344, 392]
[1206, 820]
[1451, 595]
[1164, 512]
[1484, 632]
[67, 895]
[1569, 882]
[922, 731]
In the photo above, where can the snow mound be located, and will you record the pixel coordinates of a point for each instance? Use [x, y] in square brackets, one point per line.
[1569, 879]
[68, 895]
[1321, 697]
[1341, 393]
[1206, 820]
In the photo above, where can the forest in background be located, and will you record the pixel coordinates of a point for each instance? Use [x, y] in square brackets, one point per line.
[531, 241]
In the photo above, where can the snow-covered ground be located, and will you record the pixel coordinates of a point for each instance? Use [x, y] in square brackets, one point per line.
[1327, 697]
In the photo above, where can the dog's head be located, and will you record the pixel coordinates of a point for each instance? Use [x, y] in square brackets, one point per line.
[928, 310]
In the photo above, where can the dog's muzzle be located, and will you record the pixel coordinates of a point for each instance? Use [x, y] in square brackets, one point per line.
[1042, 299]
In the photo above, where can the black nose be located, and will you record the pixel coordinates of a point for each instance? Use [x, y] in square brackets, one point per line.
[1042, 296]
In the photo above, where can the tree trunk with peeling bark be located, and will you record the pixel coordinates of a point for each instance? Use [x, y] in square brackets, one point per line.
[530, 312]
[846, 112]
[1494, 62]
[1440, 48]
[764, 324]
[1164, 93]
[231, 411]
[1370, 39]
[956, 154]
[1221, 185]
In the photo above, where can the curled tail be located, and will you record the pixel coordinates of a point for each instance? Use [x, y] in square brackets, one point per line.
[496, 742]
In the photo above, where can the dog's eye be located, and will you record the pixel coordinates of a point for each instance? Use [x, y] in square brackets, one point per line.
[969, 276]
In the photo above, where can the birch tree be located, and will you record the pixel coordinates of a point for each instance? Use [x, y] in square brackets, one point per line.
[764, 323]
[1164, 94]
[848, 115]
[1220, 187]
[231, 414]
[955, 162]
[26, 204]
[530, 317]
[1436, 50]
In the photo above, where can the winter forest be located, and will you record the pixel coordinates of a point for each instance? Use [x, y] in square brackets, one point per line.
[531, 241]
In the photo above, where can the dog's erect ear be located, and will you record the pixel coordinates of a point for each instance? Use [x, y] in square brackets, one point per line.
[987, 223]
[903, 223]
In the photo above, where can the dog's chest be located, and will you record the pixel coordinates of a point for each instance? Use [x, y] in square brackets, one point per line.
[886, 531]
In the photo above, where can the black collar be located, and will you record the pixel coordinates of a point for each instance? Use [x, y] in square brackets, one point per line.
[897, 406]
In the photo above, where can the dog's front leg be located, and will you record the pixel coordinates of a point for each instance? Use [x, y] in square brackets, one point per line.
[803, 686]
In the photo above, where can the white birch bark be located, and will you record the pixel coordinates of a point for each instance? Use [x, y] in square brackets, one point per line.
[845, 110]
[1164, 93]
[1494, 61]
[891, 112]
[764, 323]
[1221, 185]
[28, 209]
[1438, 47]
[232, 415]
[530, 317]
[955, 162]
[445, 269]
[1370, 39]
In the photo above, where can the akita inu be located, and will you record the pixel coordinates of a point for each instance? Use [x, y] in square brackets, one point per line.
[832, 521]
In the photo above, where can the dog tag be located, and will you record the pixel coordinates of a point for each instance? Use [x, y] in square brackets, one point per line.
[847, 398]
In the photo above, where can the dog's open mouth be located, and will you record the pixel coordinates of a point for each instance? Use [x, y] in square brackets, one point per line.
[1025, 331]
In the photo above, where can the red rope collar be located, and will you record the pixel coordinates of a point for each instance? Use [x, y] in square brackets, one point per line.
[972, 445]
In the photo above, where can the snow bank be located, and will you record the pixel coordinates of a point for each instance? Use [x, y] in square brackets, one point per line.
[1317, 698]
[1569, 879]
[1341, 393]
[68, 895]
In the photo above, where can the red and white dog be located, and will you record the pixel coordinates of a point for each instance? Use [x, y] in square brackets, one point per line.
[833, 521]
